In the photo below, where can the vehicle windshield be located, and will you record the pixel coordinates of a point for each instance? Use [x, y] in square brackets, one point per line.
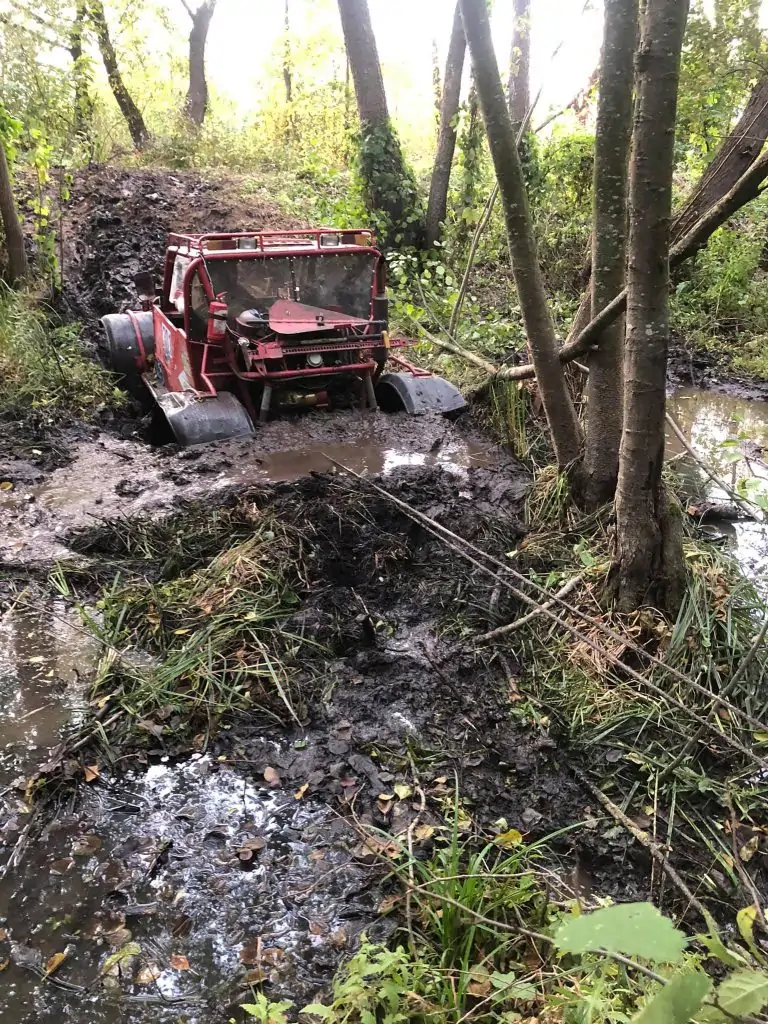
[337, 281]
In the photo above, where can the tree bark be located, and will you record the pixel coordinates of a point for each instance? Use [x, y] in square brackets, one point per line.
[389, 187]
[649, 558]
[196, 103]
[287, 64]
[83, 101]
[539, 327]
[520, 64]
[596, 481]
[14, 236]
[446, 143]
[364, 61]
[125, 102]
[741, 148]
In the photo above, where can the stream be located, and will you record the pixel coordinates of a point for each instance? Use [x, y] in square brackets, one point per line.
[194, 881]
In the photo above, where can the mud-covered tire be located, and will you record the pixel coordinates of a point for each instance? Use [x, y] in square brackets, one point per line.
[122, 352]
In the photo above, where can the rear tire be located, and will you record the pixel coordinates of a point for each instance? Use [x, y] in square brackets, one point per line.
[123, 354]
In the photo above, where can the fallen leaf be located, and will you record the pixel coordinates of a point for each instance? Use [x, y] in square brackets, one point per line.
[150, 726]
[301, 791]
[480, 983]
[250, 847]
[37, 660]
[3, 934]
[84, 846]
[509, 839]
[4, 964]
[54, 963]
[6, 485]
[338, 938]
[424, 832]
[402, 790]
[318, 928]
[255, 977]
[749, 849]
[91, 772]
[271, 777]
[118, 937]
[179, 962]
[148, 974]
[250, 954]
[115, 959]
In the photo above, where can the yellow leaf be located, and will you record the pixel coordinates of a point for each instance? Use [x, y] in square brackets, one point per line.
[6, 485]
[509, 839]
[55, 963]
[402, 791]
[181, 632]
[148, 974]
[423, 832]
[91, 772]
[749, 849]
[4, 964]
[301, 791]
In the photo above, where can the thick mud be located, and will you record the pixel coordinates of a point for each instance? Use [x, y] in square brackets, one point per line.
[109, 476]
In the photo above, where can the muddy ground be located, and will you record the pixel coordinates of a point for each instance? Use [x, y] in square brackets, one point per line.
[238, 860]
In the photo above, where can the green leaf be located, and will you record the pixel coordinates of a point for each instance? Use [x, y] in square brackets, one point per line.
[634, 929]
[677, 1001]
[745, 992]
[127, 951]
[318, 1010]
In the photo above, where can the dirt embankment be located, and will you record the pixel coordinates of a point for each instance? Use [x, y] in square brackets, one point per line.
[117, 222]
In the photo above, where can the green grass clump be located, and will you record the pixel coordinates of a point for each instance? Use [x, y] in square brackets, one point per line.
[211, 624]
[42, 366]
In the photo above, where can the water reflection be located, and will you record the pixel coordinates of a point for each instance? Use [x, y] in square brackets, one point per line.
[707, 419]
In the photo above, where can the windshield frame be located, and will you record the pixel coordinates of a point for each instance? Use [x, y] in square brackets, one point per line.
[200, 264]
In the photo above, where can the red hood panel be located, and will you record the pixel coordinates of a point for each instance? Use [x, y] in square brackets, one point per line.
[287, 317]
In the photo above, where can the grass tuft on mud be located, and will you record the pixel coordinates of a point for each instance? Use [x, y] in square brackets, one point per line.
[43, 366]
[207, 622]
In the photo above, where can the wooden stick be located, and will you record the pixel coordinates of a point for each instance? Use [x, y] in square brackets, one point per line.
[512, 627]
[656, 850]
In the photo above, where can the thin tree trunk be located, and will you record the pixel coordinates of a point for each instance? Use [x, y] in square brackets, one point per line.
[128, 108]
[446, 143]
[14, 236]
[287, 63]
[740, 149]
[520, 64]
[196, 103]
[389, 186]
[83, 102]
[540, 331]
[599, 471]
[364, 62]
[649, 558]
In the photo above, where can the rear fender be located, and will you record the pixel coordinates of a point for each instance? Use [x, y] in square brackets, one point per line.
[196, 420]
[419, 395]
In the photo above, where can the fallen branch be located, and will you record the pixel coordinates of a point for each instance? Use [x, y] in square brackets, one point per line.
[512, 627]
[656, 850]
[467, 550]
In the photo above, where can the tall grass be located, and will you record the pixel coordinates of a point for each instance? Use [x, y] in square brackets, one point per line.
[42, 365]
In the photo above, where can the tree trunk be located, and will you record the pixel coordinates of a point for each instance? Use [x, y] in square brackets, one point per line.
[83, 101]
[446, 143]
[364, 61]
[600, 467]
[389, 186]
[649, 558]
[287, 65]
[14, 237]
[520, 64]
[128, 108]
[740, 149]
[539, 327]
[196, 103]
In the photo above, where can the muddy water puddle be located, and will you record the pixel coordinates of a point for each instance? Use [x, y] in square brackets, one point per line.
[219, 881]
[211, 883]
[731, 434]
[46, 657]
